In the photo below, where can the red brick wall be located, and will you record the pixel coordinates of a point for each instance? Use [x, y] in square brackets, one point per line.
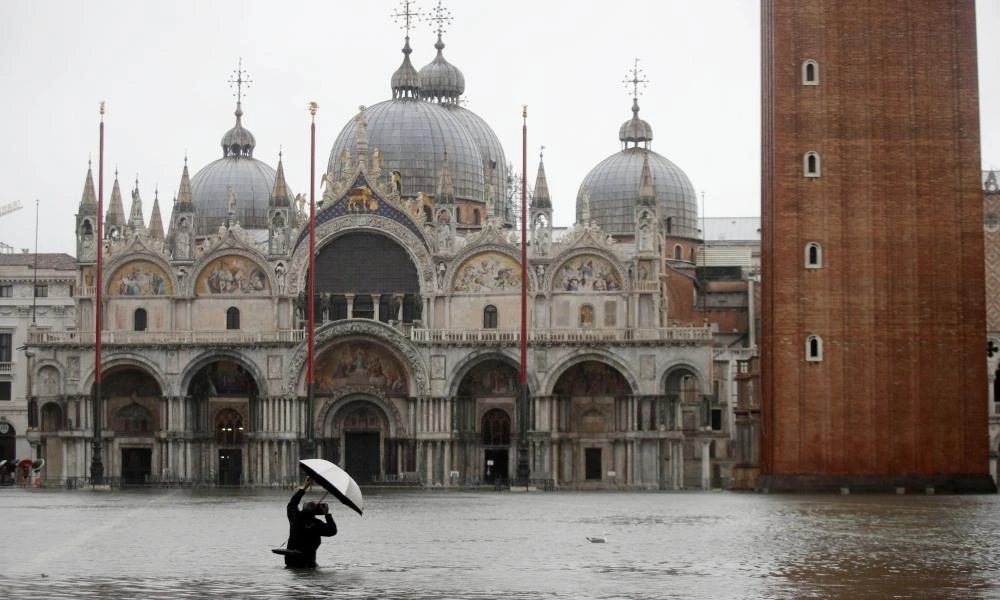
[899, 302]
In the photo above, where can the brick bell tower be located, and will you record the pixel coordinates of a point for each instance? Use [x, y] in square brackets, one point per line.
[873, 318]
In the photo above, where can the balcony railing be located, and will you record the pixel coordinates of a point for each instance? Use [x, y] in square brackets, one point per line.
[417, 335]
[559, 336]
[193, 338]
[6, 368]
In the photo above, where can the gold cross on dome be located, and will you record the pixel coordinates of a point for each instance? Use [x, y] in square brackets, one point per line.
[636, 78]
[240, 78]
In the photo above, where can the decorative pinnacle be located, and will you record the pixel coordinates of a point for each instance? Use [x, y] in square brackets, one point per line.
[313, 107]
[637, 79]
[524, 111]
[408, 14]
[240, 78]
[442, 16]
[541, 153]
[102, 107]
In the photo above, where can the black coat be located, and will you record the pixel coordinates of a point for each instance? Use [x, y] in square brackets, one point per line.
[305, 531]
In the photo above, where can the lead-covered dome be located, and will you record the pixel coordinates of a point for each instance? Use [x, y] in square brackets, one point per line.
[612, 187]
[236, 175]
[440, 80]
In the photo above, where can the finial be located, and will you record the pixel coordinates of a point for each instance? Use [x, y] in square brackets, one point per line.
[280, 152]
[637, 78]
[313, 107]
[156, 191]
[524, 111]
[240, 78]
[442, 16]
[541, 153]
[89, 158]
[136, 181]
[408, 14]
[185, 158]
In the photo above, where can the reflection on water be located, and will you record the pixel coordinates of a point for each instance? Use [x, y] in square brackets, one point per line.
[216, 544]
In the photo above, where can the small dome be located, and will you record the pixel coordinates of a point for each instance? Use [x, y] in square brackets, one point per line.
[251, 182]
[440, 80]
[635, 130]
[613, 190]
[412, 137]
[238, 141]
[406, 81]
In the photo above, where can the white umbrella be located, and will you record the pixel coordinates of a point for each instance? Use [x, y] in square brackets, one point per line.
[334, 480]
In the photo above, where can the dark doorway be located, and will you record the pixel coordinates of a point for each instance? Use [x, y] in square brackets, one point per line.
[362, 455]
[592, 460]
[230, 466]
[495, 465]
[136, 465]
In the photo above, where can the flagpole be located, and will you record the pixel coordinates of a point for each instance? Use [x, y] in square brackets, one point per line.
[523, 471]
[310, 449]
[96, 464]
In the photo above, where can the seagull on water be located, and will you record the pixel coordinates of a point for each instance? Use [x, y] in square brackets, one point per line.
[597, 539]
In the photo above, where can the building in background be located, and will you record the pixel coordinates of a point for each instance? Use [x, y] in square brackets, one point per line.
[37, 292]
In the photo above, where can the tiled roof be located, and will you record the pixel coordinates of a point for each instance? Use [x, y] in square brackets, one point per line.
[53, 260]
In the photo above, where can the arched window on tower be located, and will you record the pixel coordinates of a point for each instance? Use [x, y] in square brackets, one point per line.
[814, 348]
[475, 216]
[490, 317]
[139, 319]
[810, 72]
[678, 252]
[811, 164]
[814, 256]
[232, 318]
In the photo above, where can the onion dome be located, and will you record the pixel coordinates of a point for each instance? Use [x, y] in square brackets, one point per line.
[406, 81]
[616, 183]
[238, 141]
[238, 175]
[412, 137]
[441, 80]
[635, 130]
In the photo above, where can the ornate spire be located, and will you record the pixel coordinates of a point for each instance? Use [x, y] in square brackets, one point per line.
[647, 191]
[635, 130]
[440, 80]
[279, 193]
[446, 188]
[116, 209]
[88, 203]
[540, 198]
[135, 219]
[155, 220]
[238, 142]
[185, 201]
[406, 81]
[361, 136]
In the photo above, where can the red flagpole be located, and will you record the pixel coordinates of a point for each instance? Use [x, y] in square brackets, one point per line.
[96, 464]
[523, 469]
[310, 376]
[524, 246]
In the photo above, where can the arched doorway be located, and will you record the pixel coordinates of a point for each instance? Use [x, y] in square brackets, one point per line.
[223, 393]
[8, 448]
[52, 417]
[495, 428]
[490, 389]
[588, 393]
[356, 437]
[133, 401]
[229, 440]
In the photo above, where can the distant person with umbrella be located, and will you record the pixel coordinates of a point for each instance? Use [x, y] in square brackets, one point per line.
[306, 529]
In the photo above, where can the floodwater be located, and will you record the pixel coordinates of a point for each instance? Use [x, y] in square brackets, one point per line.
[447, 544]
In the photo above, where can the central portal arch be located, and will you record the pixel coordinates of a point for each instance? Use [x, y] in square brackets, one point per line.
[359, 431]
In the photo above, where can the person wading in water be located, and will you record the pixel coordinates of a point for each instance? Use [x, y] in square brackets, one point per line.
[306, 529]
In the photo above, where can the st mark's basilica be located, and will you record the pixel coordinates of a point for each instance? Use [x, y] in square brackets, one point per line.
[417, 309]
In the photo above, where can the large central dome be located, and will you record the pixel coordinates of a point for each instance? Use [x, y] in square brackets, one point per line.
[422, 122]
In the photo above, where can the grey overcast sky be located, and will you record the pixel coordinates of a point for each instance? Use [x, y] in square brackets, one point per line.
[163, 69]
